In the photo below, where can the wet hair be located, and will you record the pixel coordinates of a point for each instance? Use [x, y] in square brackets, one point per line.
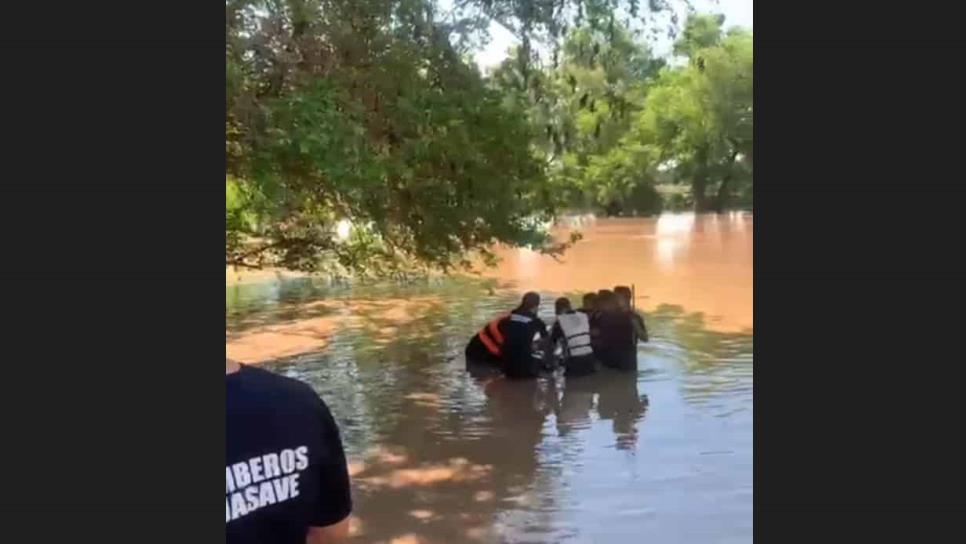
[590, 300]
[562, 305]
[530, 300]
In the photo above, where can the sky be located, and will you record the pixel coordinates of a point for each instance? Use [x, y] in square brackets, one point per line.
[736, 12]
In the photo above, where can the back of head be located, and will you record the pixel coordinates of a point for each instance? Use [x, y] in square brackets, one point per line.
[606, 300]
[590, 301]
[623, 293]
[562, 305]
[531, 301]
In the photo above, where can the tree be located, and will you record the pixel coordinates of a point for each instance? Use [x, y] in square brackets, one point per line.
[580, 109]
[366, 110]
[699, 118]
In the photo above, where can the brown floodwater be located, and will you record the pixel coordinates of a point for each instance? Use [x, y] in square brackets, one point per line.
[438, 456]
[703, 263]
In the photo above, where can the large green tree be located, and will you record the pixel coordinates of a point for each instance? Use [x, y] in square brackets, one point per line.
[580, 109]
[698, 119]
[369, 111]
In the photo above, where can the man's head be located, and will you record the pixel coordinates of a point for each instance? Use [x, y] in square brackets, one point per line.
[590, 301]
[562, 305]
[606, 300]
[530, 302]
[623, 293]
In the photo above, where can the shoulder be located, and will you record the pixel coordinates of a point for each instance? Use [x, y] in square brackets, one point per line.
[522, 317]
[269, 385]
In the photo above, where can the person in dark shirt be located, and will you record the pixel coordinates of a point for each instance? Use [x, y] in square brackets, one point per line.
[522, 326]
[589, 304]
[624, 295]
[615, 345]
[286, 478]
[604, 301]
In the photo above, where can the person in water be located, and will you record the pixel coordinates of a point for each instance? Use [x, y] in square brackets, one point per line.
[624, 295]
[485, 349]
[590, 309]
[523, 326]
[589, 304]
[603, 301]
[572, 331]
[507, 341]
[616, 345]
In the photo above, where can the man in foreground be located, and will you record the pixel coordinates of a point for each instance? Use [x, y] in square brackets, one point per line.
[286, 479]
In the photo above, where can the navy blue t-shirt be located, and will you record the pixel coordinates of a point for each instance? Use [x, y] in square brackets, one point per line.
[285, 469]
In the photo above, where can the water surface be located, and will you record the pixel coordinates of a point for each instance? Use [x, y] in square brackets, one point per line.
[664, 454]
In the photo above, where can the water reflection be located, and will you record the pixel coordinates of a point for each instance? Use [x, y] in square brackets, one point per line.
[439, 455]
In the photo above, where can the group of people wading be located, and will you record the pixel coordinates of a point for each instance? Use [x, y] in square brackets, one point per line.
[604, 331]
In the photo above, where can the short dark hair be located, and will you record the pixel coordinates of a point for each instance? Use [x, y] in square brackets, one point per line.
[561, 305]
[623, 291]
[590, 299]
[606, 297]
[530, 300]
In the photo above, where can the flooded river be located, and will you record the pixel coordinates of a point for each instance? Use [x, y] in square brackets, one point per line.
[437, 456]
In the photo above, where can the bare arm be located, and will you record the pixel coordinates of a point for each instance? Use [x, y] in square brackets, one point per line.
[639, 327]
[329, 534]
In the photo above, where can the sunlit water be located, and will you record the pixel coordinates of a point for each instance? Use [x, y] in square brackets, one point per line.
[661, 455]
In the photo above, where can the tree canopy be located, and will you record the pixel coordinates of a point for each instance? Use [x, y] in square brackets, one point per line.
[370, 114]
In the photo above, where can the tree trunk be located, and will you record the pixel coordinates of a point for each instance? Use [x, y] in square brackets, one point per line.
[698, 185]
[721, 198]
[724, 190]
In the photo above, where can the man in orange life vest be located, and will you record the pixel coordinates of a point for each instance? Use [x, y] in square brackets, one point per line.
[507, 341]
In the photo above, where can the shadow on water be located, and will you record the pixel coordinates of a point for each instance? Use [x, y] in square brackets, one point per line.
[440, 456]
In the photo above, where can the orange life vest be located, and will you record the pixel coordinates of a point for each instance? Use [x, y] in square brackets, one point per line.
[491, 336]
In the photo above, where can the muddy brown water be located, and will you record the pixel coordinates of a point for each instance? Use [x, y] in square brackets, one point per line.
[664, 454]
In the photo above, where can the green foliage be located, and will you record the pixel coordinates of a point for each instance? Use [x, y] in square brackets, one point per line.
[368, 111]
[700, 32]
[698, 119]
[580, 111]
